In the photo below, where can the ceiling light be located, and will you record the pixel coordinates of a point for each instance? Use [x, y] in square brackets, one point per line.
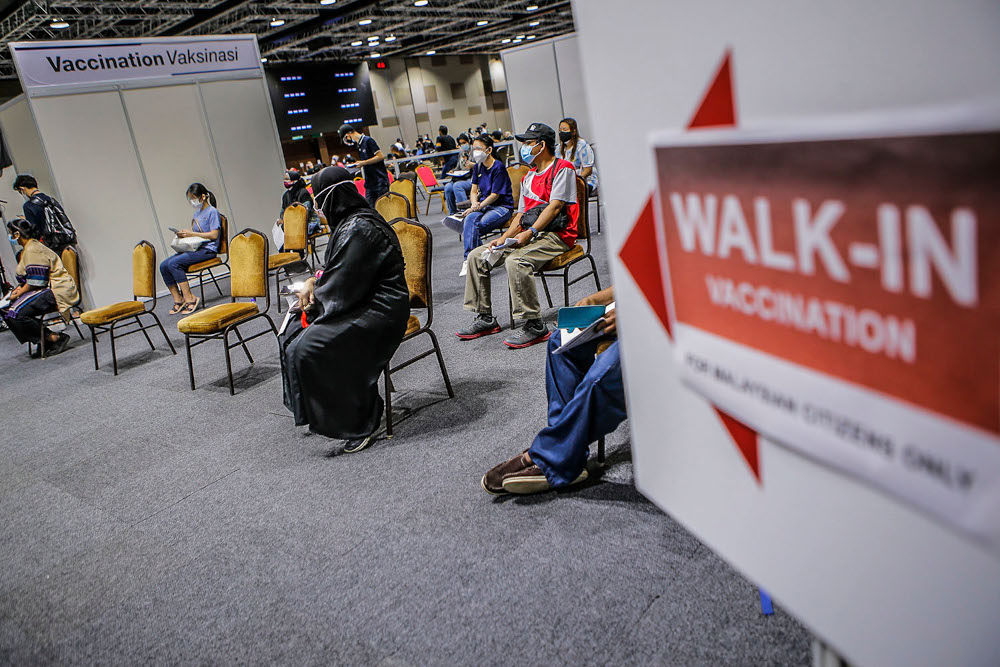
[519, 37]
[373, 38]
[357, 43]
[482, 22]
[263, 60]
[517, 41]
[376, 55]
[534, 23]
[277, 22]
[420, 3]
[364, 22]
[531, 36]
[505, 41]
[532, 8]
[390, 38]
[431, 53]
[58, 25]
[327, 2]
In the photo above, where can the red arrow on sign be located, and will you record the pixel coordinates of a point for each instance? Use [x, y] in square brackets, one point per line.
[640, 256]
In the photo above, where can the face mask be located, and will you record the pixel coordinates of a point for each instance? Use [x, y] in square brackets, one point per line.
[478, 156]
[464, 148]
[289, 184]
[527, 156]
[194, 203]
[565, 136]
[348, 141]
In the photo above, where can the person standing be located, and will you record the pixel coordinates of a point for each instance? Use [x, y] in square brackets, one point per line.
[52, 225]
[44, 286]
[372, 162]
[544, 228]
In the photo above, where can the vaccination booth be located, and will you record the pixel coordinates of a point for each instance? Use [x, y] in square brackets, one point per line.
[852, 473]
[117, 130]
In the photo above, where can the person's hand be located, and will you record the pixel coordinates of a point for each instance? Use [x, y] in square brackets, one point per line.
[17, 292]
[495, 242]
[475, 207]
[307, 293]
[610, 325]
[587, 301]
[523, 239]
[184, 233]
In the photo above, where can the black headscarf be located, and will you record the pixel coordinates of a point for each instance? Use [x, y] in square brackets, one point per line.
[336, 195]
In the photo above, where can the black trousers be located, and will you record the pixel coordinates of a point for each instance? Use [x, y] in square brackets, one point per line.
[372, 194]
[26, 325]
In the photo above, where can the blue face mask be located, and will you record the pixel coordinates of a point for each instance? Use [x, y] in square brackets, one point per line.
[14, 245]
[526, 155]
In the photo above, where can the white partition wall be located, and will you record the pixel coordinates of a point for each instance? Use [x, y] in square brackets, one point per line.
[879, 580]
[545, 84]
[126, 130]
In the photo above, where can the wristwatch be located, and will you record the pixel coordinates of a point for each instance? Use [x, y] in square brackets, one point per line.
[534, 232]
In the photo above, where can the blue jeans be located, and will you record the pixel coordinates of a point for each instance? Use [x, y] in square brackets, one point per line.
[586, 400]
[479, 222]
[456, 190]
[174, 268]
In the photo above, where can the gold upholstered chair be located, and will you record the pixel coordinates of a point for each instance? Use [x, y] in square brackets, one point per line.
[393, 205]
[517, 172]
[71, 261]
[248, 262]
[408, 189]
[417, 243]
[203, 269]
[560, 266]
[127, 313]
[296, 245]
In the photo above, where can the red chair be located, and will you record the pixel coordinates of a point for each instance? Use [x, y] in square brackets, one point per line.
[431, 186]
[359, 183]
[391, 177]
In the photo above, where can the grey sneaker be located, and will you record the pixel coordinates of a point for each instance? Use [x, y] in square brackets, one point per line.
[483, 325]
[533, 332]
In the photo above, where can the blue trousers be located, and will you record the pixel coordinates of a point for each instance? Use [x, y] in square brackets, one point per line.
[480, 222]
[586, 400]
[174, 268]
[456, 191]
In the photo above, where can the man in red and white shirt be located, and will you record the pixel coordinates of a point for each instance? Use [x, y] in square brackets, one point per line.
[544, 227]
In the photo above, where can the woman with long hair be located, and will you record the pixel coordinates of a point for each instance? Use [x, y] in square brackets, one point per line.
[205, 224]
[572, 147]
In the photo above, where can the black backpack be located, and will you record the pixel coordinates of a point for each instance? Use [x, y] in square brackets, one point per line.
[58, 230]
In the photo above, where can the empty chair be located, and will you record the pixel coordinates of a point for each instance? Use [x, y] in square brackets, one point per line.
[431, 186]
[296, 245]
[126, 313]
[393, 205]
[71, 261]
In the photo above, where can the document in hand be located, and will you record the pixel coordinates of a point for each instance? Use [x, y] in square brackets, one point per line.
[580, 324]
[493, 256]
[455, 223]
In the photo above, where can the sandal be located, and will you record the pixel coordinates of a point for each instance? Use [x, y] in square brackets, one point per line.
[190, 306]
[178, 306]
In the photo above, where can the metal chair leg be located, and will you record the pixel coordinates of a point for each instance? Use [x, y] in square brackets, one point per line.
[114, 353]
[245, 349]
[187, 344]
[277, 290]
[201, 286]
[148, 339]
[388, 402]
[444, 371]
[77, 327]
[597, 278]
[212, 276]
[93, 340]
[545, 286]
[566, 286]
[229, 363]
[163, 331]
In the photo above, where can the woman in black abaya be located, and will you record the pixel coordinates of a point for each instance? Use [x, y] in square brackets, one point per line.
[357, 311]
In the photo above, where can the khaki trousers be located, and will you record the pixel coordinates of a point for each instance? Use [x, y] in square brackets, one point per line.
[520, 263]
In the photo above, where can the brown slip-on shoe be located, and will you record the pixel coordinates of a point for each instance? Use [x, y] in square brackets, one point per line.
[531, 480]
[493, 480]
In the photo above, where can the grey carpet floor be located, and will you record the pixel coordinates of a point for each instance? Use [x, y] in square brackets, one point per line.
[144, 522]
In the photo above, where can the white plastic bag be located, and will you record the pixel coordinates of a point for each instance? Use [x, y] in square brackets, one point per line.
[186, 244]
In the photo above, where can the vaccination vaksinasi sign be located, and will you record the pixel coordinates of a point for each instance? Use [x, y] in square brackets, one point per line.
[839, 292]
[52, 64]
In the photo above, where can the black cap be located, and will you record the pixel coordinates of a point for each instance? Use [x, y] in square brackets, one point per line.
[537, 131]
[346, 129]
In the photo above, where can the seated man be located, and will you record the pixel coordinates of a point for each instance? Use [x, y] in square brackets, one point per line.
[586, 401]
[44, 287]
[543, 228]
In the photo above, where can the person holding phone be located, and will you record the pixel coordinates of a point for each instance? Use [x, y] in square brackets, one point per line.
[205, 224]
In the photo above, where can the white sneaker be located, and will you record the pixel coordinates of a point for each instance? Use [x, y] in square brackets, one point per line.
[465, 269]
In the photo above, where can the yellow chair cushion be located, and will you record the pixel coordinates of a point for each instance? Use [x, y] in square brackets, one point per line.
[216, 318]
[281, 259]
[201, 266]
[412, 325]
[115, 311]
[562, 260]
[602, 346]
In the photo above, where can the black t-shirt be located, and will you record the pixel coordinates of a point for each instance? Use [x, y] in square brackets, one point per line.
[34, 212]
[446, 142]
[376, 177]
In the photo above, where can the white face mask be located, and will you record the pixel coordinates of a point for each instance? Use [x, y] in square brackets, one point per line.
[194, 203]
[478, 156]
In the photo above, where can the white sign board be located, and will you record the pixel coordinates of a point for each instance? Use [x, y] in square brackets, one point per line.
[48, 65]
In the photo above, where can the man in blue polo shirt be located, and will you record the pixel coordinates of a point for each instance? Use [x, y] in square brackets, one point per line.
[371, 160]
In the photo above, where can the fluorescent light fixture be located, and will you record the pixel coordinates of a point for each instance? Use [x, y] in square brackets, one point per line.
[532, 8]
[482, 22]
[263, 60]
[373, 38]
[357, 42]
[534, 23]
[420, 3]
[365, 22]
[519, 37]
[505, 41]
[531, 36]
[517, 41]
[59, 25]
[327, 2]
[390, 38]
[431, 53]
[275, 23]
[376, 55]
